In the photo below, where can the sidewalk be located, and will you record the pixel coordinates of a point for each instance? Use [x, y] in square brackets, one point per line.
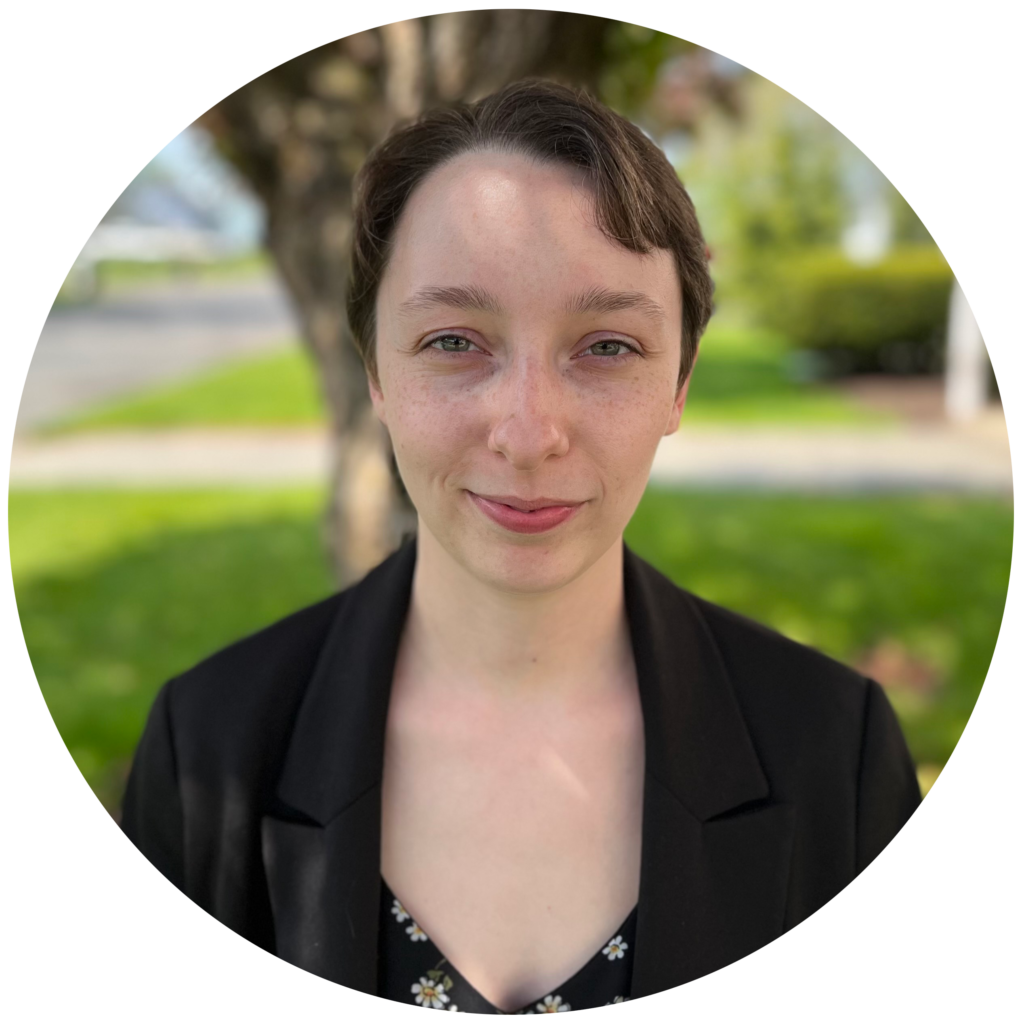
[909, 457]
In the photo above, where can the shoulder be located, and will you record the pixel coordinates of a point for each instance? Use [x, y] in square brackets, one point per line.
[255, 667]
[764, 664]
[760, 662]
[235, 709]
[826, 737]
[804, 709]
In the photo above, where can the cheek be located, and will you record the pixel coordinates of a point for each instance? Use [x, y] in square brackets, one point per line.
[624, 423]
[432, 428]
[624, 434]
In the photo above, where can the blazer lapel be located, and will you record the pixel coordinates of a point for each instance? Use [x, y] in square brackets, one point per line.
[715, 853]
[321, 845]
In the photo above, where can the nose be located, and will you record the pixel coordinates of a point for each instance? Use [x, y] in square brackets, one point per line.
[529, 421]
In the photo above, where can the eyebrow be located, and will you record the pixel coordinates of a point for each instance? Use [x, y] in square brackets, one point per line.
[466, 298]
[601, 299]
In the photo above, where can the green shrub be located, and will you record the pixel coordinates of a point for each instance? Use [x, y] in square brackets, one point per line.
[890, 315]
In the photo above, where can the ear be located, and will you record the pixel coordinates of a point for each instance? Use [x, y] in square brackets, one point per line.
[376, 397]
[677, 408]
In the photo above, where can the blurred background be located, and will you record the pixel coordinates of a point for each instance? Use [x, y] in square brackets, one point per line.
[194, 459]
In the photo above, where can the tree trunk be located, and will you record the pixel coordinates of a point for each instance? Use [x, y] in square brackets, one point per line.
[298, 134]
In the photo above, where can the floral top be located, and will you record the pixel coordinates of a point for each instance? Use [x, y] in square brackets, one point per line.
[412, 970]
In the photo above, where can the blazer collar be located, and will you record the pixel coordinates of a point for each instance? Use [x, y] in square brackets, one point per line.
[322, 850]
[336, 752]
[696, 741]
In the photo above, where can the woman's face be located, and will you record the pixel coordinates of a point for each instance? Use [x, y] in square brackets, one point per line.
[527, 368]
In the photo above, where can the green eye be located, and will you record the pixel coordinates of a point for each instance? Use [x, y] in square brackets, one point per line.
[452, 344]
[607, 348]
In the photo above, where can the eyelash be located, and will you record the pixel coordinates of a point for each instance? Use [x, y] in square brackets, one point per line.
[630, 350]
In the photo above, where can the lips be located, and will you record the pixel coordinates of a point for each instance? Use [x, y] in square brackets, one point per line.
[525, 516]
[527, 506]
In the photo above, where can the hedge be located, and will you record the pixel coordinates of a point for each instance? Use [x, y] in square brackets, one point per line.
[888, 316]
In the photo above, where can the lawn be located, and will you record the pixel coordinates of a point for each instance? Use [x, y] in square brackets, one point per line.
[279, 389]
[743, 377]
[119, 590]
[747, 376]
[112, 276]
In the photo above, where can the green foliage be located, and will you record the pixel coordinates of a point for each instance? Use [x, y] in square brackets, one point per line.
[118, 591]
[871, 315]
[767, 185]
[633, 57]
[791, 198]
[774, 192]
[744, 376]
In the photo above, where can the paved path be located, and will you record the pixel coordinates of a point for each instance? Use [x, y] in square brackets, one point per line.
[937, 457]
[827, 459]
[126, 342]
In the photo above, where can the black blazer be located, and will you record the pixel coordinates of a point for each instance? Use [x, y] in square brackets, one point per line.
[774, 775]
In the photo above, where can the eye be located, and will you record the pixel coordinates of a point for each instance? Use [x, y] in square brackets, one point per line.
[451, 343]
[610, 349]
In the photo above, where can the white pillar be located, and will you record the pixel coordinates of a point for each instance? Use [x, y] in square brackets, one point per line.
[966, 361]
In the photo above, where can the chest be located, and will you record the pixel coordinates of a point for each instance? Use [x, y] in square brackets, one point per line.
[514, 836]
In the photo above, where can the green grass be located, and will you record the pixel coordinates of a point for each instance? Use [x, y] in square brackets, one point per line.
[740, 378]
[116, 274]
[119, 275]
[280, 389]
[120, 590]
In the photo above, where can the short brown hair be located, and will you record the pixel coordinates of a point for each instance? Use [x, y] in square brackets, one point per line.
[640, 201]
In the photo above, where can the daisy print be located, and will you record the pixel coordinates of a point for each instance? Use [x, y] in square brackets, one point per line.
[401, 914]
[429, 993]
[553, 1004]
[615, 949]
[416, 933]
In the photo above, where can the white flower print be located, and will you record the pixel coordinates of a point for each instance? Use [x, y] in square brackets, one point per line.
[429, 993]
[615, 949]
[618, 998]
[401, 914]
[553, 1004]
[416, 933]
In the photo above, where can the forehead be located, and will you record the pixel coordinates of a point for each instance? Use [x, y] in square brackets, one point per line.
[519, 226]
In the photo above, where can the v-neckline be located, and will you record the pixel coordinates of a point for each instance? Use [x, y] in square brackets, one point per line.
[552, 997]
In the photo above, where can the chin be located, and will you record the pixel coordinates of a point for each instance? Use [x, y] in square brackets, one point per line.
[526, 571]
[526, 567]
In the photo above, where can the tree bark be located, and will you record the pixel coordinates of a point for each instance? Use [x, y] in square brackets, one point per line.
[298, 134]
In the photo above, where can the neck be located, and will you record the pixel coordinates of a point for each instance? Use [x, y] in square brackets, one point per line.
[463, 631]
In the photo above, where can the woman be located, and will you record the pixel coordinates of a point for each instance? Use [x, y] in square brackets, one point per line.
[515, 768]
